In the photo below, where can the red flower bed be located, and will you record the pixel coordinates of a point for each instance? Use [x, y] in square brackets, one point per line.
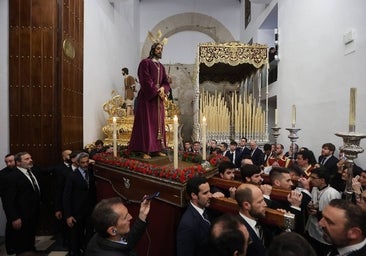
[215, 160]
[180, 174]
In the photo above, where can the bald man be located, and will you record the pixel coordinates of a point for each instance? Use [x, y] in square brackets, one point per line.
[252, 208]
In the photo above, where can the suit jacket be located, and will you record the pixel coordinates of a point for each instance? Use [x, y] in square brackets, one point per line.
[330, 164]
[20, 198]
[361, 252]
[300, 216]
[102, 246]
[244, 151]
[3, 180]
[237, 159]
[257, 157]
[79, 198]
[192, 234]
[256, 248]
[61, 172]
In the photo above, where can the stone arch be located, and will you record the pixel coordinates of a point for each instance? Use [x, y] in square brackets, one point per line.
[189, 22]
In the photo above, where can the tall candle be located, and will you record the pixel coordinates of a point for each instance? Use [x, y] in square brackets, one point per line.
[293, 116]
[175, 142]
[352, 110]
[276, 117]
[204, 142]
[114, 136]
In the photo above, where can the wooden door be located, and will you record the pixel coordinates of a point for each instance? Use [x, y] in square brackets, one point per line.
[45, 85]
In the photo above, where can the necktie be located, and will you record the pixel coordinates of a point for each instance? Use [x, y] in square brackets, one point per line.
[205, 216]
[86, 177]
[34, 183]
[323, 161]
[260, 231]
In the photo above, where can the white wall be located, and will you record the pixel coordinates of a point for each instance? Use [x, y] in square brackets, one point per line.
[314, 72]
[4, 80]
[110, 43]
[183, 46]
[317, 74]
[4, 102]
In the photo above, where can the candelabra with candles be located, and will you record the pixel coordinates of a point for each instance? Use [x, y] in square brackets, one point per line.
[276, 129]
[351, 144]
[293, 132]
[293, 138]
[276, 132]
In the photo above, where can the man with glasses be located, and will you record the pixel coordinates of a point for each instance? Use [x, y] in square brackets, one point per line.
[322, 193]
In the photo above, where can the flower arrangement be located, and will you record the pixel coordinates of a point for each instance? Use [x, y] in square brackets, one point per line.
[180, 174]
[191, 157]
[215, 160]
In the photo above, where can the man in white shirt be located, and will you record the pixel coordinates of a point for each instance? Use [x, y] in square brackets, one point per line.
[252, 207]
[194, 227]
[322, 193]
[21, 204]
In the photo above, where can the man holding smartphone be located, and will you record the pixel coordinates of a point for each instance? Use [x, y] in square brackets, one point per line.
[112, 223]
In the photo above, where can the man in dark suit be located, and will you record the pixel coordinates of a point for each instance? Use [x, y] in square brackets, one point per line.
[252, 207]
[21, 205]
[244, 151]
[78, 201]
[343, 225]
[61, 172]
[10, 165]
[328, 160]
[297, 200]
[194, 227]
[256, 153]
[234, 154]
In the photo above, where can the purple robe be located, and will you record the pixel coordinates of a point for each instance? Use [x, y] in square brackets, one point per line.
[148, 118]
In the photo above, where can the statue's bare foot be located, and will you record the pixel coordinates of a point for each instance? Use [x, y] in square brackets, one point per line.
[146, 156]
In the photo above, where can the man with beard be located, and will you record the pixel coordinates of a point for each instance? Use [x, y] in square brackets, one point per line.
[344, 226]
[61, 171]
[328, 160]
[194, 227]
[79, 199]
[322, 193]
[252, 207]
[148, 133]
[21, 205]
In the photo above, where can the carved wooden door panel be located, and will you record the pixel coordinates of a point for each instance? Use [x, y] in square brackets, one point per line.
[45, 82]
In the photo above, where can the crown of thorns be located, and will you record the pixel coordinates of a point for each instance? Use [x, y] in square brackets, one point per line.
[157, 38]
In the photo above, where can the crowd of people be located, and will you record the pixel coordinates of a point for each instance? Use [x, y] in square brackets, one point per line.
[87, 228]
[327, 222]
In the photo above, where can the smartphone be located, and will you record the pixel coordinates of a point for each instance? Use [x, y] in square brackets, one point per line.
[149, 197]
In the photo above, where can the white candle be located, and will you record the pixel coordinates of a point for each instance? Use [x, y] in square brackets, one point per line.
[293, 116]
[114, 136]
[352, 109]
[175, 141]
[204, 138]
[276, 117]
